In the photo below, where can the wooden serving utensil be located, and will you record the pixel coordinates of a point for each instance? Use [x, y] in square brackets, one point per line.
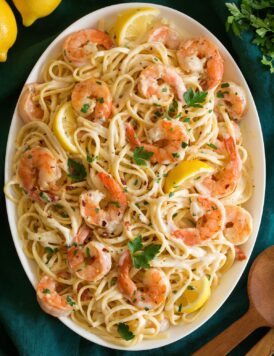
[260, 287]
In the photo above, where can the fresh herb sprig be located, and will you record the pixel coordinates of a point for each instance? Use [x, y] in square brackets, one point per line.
[124, 332]
[141, 257]
[140, 156]
[194, 99]
[258, 17]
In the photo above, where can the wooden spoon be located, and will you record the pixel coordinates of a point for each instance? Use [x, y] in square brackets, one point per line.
[260, 287]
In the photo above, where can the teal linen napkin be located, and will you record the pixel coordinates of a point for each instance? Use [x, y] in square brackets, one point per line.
[24, 328]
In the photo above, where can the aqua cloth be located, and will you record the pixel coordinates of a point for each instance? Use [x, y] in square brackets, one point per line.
[24, 328]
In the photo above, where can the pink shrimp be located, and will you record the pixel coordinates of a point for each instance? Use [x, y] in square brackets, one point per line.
[79, 45]
[90, 262]
[164, 34]
[171, 139]
[30, 110]
[224, 182]
[209, 215]
[92, 99]
[194, 53]
[240, 255]
[52, 302]
[238, 224]
[148, 82]
[156, 284]
[109, 217]
[233, 97]
[38, 172]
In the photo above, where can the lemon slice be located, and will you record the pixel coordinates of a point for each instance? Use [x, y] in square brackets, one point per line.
[64, 126]
[195, 296]
[133, 23]
[183, 171]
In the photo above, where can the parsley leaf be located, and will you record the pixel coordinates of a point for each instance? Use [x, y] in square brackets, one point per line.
[212, 146]
[257, 18]
[44, 197]
[194, 99]
[135, 245]
[70, 301]
[173, 107]
[140, 156]
[85, 108]
[141, 258]
[125, 333]
[77, 171]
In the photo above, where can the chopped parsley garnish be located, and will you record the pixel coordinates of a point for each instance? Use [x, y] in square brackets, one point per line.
[101, 100]
[224, 85]
[164, 90]
[124, 332]
[70, 301]
[170, 195]
[97, 210]
[184, 144]
[186, 119]
[91, 158]
[157, 113]
[88, 252]
[113, 281]
[50, 250]
[220, 94]
[116, 203]
[44, 197]
[46, 291]
[173, 107]
[212, 146]
[141, 257]
[180, 308]
[85, 108]
[175, 155]
[140, 156]
[135, 245]
[208, 276]
[77, 171]
[190, 288]
[194, 99]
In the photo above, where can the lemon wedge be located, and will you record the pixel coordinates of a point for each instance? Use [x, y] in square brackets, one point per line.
[195, 296]
[183, 171]
[64, 126]
[133, 23]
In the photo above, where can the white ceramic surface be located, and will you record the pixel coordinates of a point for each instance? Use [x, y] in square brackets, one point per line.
[252, 137]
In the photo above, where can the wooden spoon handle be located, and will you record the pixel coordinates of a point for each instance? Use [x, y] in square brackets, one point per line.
[226, 341]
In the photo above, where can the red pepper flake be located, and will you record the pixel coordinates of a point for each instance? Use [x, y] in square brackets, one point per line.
[240, 255]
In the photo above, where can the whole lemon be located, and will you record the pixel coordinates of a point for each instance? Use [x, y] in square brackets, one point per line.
[8, 29]
[31, 10]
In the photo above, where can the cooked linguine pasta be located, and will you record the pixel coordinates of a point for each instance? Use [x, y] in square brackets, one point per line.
[125, 250]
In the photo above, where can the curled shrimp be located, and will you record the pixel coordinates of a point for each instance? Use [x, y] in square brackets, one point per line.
[49, 299]
[30, 110]
[90, 262]
[166, 35]
[148, 82]
[156, 284]
[78, 46]
[194, 54]
[209, 215]
[224, 182]
[92, 99]
[233, 97]
[171, 139]
[110, 216]
[238, 224]
[38, 172]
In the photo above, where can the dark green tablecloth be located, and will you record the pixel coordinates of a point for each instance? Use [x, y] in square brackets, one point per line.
[24, 328]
